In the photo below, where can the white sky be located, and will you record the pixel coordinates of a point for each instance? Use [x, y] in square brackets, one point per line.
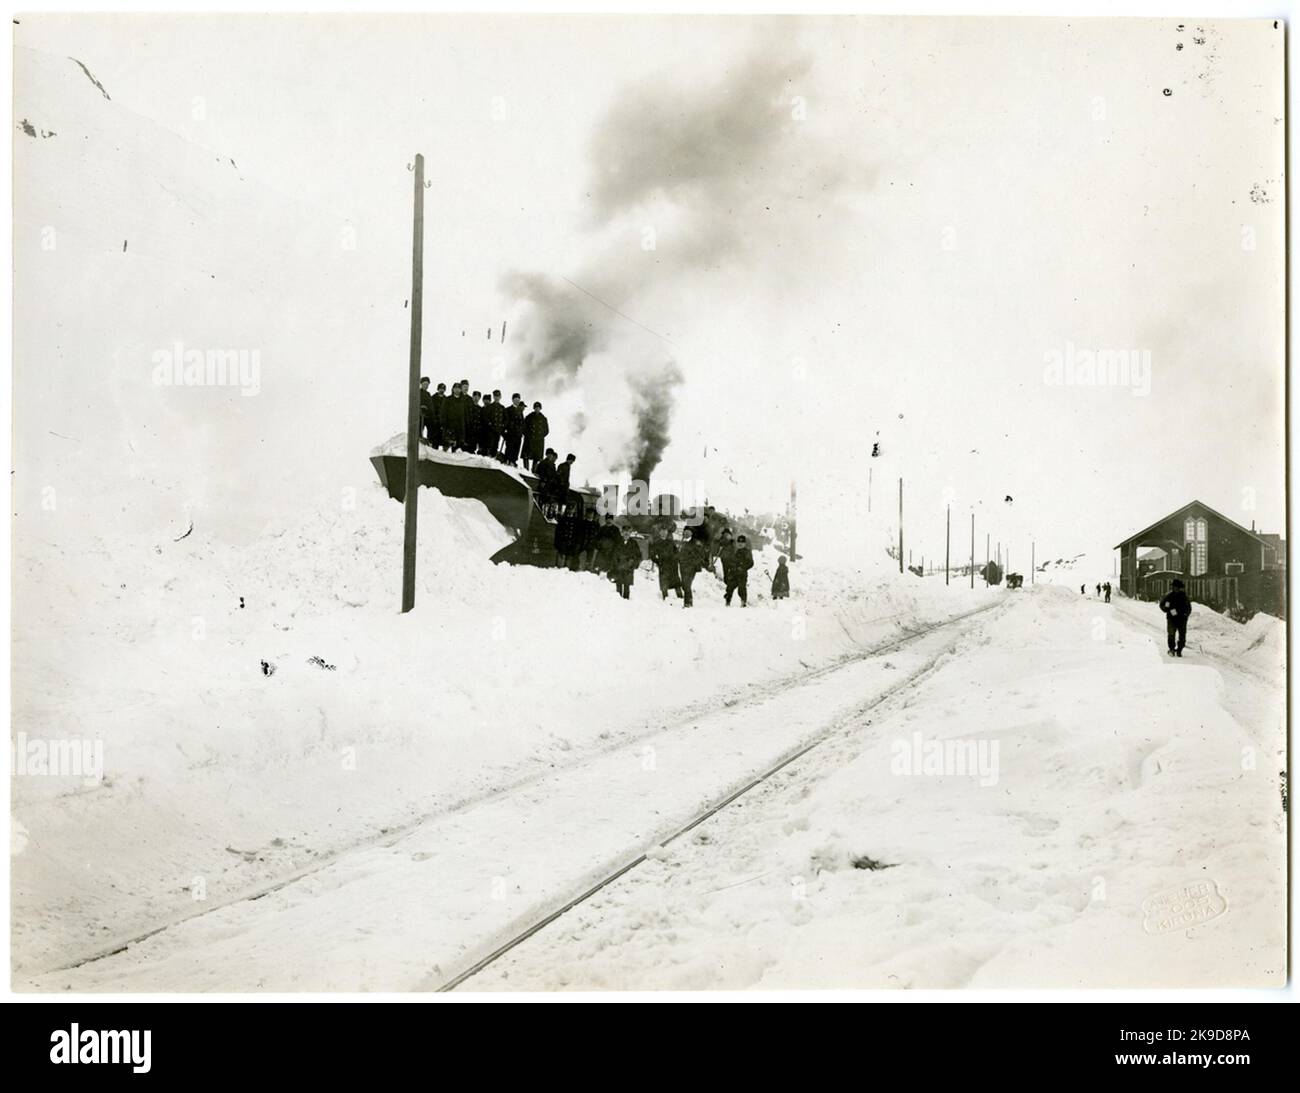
[1025, 185]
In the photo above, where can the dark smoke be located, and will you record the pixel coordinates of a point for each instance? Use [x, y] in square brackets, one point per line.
[654, 396]
[728, 178]
[563, 327]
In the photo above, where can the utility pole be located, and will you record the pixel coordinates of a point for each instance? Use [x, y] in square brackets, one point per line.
[947, 544]
[794, 523]
[413, 397]
[900, 525]
[972, 551]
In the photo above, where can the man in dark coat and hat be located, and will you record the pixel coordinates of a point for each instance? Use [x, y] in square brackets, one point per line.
[568, 538]
[693, 557]
[494, 420]
[607, 543]
[473, 422]
[663, 552]
[454, 419]
[514, 428]
[535, 430]
[736, 564]
[1177, 608]
[546, 480]
[437, 403]
[626, 558]
[426, 412]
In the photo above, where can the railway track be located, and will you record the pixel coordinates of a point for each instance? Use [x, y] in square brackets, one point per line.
[393, 835]
[729, 798]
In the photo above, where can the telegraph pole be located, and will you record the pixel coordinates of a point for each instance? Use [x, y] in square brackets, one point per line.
[413, 396]
[947, 545]
[794, 523]
[900, 525]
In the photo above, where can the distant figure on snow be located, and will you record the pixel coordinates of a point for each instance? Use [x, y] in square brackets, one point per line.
[1177, 607]
[1106, 589]
[736, 564]
[1083, 590]
[781, 580]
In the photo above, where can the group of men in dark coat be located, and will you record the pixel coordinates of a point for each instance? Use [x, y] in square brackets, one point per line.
[678, 565]
[466, 421]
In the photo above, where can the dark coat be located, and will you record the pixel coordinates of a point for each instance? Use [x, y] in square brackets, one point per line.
[781, 582]
[473, 418]
[514, 420]
[535, 432]
[693, 557]
[663, 552]
[737, 561]
[545, 471]
[437, 403]
[568, 535]
[608, 540]
[727, 555]
[1176, 604]
[562, 479]
[627, 558]
[494, 416]
[454, 417]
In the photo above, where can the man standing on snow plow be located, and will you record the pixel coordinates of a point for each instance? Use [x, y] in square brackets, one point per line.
[514, 429]
[1177, 608]
[535, 429]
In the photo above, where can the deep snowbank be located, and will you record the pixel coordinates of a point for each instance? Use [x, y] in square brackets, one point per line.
[215, 769]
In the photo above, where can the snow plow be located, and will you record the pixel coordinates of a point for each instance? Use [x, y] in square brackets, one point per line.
[508, 493]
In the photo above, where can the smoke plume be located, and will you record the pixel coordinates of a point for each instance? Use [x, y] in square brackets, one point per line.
[718, 177]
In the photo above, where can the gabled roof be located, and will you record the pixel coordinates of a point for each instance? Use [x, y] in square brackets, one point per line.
[1177, 512]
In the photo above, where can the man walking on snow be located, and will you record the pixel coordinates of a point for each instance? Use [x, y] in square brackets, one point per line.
[693, 557]
[1177, 607]
[736, 565]
[663, 552]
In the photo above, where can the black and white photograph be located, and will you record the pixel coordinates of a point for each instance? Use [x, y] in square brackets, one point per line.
[694, 505]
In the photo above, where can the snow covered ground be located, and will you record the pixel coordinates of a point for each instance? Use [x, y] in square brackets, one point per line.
[219, 778]
[1118, 777]
[1122, 785]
